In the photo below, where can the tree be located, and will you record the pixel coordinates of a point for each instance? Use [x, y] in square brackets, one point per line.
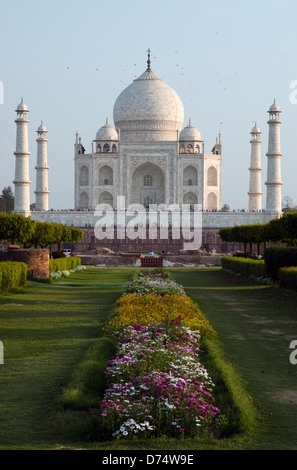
[77, 234]
[16, 228]
[288, 226]
[233, 234]
[50, 233]
[7, 200]
[42, 235]
[274, 231]
[225, 208]
[287, 203]
[246, 234]
[254, 234]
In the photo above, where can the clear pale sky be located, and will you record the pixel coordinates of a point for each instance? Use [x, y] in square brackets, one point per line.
[226, 59]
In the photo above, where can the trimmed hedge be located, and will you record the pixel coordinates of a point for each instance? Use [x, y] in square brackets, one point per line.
[287, 278]
[245, 266]
[13, 275]
[279, 257]
[64, 264]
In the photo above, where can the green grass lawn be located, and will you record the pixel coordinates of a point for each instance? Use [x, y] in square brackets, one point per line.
[255, 325]
[47, 330]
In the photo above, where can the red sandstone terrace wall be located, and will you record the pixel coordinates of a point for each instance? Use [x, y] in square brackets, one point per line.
[210, 240]
[36, 260]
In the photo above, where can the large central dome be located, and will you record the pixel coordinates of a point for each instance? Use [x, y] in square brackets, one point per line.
[148, 109]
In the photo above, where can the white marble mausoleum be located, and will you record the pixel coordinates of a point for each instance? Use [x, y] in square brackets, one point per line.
[149, 156]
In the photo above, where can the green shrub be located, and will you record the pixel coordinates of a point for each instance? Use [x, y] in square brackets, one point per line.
[13, 274]
[287, 278]
[245, 255]
[64, 264]
[279, 257]
[245, 266]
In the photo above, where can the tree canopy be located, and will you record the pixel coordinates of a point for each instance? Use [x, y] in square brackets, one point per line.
[282, 230]
[17, 228]
[7, 200]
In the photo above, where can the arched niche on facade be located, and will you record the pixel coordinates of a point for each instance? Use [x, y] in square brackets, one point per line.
[105, 175]
[190, 176]
[212, 176]
[190, 198]
[148, 185]
[212, 201]
[84, 176]
[106, 198]
[84, 200]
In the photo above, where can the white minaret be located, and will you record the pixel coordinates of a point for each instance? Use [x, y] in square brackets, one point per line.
[41, 170]
[273, 183]
[22, 181]
[255, 194]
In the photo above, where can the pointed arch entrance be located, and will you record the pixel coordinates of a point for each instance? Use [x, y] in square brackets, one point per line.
[147, 185]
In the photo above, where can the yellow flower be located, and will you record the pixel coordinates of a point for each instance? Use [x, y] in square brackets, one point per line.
[152, 308]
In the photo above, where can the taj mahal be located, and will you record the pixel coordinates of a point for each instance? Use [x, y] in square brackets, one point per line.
[150, 157]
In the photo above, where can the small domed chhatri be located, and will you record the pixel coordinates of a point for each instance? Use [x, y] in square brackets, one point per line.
[255, 129]
[41, 128]
[106, 132]
[190, 133]
[22, 107]
[274, 108]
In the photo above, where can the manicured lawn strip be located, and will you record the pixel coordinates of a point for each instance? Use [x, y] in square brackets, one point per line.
[231, 396]
[255, 325]
[46, 330]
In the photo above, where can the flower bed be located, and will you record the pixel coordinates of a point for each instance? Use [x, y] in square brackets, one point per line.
[154, 285]
[151, 309]
[66, 273]
[156, 385]
[154, 273]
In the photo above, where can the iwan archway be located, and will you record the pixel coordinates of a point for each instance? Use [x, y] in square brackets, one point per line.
[147, 185]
